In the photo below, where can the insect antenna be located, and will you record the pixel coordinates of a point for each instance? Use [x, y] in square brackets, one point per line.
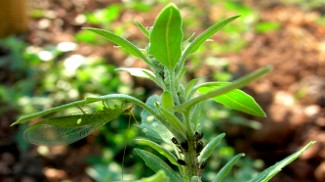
[127, 110]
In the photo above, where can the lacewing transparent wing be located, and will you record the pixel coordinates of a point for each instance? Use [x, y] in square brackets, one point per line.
[65, 130]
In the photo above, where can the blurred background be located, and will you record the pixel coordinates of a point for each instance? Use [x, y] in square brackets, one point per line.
[47, 60]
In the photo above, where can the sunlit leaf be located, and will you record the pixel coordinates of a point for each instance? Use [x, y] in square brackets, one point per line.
[235, 99]
[166, 37]
[239, 83]
[138, 72]
[167, 100]
[198, 41]
[125, 44]
[143, 29]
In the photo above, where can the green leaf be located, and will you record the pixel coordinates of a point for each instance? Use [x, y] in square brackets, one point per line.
[138, 72]
[196, 114]
[142, 73]
[151, 127]
[142, 28]
[167, 100]
[235, 99]
[210, 148]
[174, 122]
[198, 41]
[226, 169]
[160, 176]
[271, 171]
[166, 37]
[156, 164]
[125, 44]
[241, 82]
[172, 158]
[189, 87]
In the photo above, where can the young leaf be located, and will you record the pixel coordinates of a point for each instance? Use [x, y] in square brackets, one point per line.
[125, 44]
[172, 158]
[156, 164]
[268, 173]
[166, 37]
[142, 28]
[198, 41]
[210, 148]
[167, 100]
[189, 87]
[226, 169]
[196, 116]
[174, 122]
[235, 99]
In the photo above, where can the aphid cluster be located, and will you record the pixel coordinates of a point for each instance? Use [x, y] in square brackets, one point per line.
[183, 147]
[198, 142]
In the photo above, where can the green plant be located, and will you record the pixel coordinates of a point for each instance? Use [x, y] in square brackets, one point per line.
[173, 118]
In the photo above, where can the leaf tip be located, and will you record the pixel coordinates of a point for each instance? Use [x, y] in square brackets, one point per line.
[16, 122]
[85, 28]
[171, 5]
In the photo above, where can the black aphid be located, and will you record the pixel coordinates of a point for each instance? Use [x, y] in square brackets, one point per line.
[203, 164]
[198, 136]
[184, 145]
[181, 162]
[199, 146]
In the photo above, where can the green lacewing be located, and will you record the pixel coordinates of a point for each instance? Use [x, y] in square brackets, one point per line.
[64, 130]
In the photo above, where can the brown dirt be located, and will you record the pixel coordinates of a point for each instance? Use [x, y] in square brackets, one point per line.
[293, 95]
